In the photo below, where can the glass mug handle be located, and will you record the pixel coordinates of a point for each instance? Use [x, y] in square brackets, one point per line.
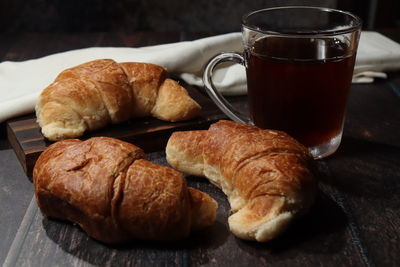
[214, 94]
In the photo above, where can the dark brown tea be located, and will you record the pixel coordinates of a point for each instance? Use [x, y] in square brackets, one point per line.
[289, 92]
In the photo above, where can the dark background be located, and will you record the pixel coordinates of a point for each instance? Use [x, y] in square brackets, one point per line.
[128, 16]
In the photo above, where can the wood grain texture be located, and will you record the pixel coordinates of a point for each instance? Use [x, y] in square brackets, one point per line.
[319, 238]
[149, 133]
[366, 170]
[355, 221]
[15, 194]
[23, 133]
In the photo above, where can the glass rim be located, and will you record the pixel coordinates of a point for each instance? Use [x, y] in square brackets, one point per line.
[348, 29]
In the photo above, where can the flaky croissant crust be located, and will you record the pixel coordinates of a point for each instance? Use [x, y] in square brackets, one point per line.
[267, 175]
[91, 95]
[115, 195]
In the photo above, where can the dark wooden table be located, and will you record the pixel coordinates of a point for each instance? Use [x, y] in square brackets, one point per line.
[355, 221]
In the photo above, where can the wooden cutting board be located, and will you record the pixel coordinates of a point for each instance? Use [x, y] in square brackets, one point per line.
[148, 133]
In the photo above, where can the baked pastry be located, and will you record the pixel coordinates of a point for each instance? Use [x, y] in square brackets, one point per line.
[267, 175]
[91, 95]
[115, 195]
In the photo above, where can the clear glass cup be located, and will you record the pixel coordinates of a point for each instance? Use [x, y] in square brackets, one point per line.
[299, 64]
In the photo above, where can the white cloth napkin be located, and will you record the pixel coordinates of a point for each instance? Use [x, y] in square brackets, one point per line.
[376, 54]
[22, 82]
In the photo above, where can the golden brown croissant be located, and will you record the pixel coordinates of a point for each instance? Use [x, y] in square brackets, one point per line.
[94, 94]
[115, 195]
[266, 175]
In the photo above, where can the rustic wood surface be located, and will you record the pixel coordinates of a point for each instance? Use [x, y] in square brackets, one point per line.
[355, 221]
[149, 133]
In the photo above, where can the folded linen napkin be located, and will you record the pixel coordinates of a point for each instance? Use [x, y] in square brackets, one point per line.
[376, 54]
[22, 82]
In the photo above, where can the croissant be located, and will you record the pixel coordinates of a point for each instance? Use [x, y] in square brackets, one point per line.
[267, 175]
[91, 95]
[115, 195]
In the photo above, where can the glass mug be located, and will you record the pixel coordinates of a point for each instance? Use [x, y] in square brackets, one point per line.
[299, 64]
